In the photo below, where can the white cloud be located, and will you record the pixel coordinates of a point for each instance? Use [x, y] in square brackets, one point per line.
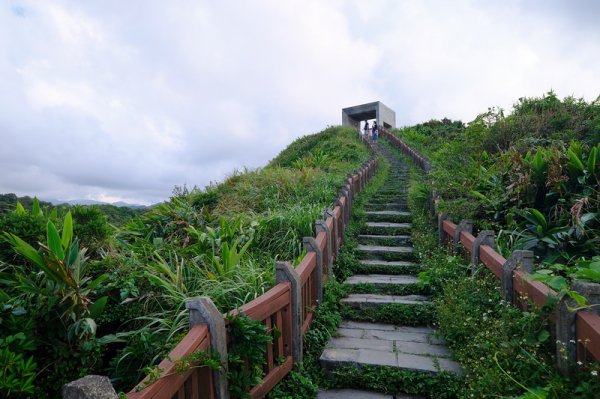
[124, 100]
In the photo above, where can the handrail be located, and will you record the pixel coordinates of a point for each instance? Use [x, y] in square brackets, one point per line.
[587, 325]
[307, 271]
[449, 227]
[588, 331]
[492, 259]
[170, 383]
[467, 239]
[273, 309]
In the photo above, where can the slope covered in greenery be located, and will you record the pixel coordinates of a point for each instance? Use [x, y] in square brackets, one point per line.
[534, 175]
[118, 307]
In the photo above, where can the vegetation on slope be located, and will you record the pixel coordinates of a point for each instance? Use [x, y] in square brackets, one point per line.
[533, 176]
[119, 307]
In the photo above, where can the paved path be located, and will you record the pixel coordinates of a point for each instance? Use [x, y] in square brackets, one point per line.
[388, 267]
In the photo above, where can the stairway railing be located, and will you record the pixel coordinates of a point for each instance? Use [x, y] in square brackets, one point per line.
[577, 331]
[286, 310]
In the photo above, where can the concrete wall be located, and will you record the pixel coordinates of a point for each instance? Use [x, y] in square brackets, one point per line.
[352, 116]
[386, 116]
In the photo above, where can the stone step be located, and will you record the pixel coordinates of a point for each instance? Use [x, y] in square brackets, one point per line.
[381, 249]
[379, 266]
[375, 300]
[388, 263]
[408, 348]
[387, 206]
[386, 228]
[399, 239]
[356, 394]
[388, 213]
[389, 225]
[382, 279]
[386, 200]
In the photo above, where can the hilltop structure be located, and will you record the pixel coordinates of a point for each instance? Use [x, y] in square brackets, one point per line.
[385, 116]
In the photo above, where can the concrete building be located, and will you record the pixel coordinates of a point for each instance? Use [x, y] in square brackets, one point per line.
[385, 116]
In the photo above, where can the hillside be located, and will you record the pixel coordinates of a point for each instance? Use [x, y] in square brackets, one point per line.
[120, 306]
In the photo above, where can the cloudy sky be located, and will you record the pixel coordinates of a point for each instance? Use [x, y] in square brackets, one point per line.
[123, 100]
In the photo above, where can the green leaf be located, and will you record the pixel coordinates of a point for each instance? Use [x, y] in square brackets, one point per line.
[539, 218]
[580, 299]
[543, 336]
[67, 231]
[54, 242]
[97, 307]
[575, 162]
[588, 274]
[72, 253]
[35, 209]
[97, 281]
[557, 283]
[25, 249]
[20, 210]
[591, 161]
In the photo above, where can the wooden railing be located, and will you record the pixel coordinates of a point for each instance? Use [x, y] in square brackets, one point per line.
[307, 270]
[274, 310]
[195, 383]
[286, 310]
[577, 332]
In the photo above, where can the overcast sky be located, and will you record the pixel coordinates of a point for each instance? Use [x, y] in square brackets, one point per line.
[123, 100]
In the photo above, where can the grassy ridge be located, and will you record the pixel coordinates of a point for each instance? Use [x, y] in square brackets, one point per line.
[220, 242]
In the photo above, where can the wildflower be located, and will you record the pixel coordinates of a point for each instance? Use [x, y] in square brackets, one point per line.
[579, 363]
[572, 341]
[594, 373]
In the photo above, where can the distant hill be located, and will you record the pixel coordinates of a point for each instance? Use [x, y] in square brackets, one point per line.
[119, 204]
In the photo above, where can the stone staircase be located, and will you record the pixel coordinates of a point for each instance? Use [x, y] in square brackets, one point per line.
[387, 282]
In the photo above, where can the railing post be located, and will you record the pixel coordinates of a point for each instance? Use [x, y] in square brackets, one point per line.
[346, 208]
[284, 272]
[485, 237]
[441, 233]
[348, 183]
[89, 387]
[518, 259]
[203, 311]
[311, 246]
[566, 316]
[321, 226]
[336, 248]
[464, 225]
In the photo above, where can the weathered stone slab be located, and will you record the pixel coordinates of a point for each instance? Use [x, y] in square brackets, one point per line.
[378, 249]
[392, 205]
[400, 336]
[373, 237]
[388, 332]
[374, 300]
[377, 358]
[360, 343]
[381, 279]
[367, 326]
[388, 213]
[331, 358]
[416, 362]
[391, 263]
[450, 366]
[420, 348]
[350, 332]
[389, 225]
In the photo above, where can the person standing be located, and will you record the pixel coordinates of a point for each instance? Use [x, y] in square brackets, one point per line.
[366, 129]
[375, 132]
